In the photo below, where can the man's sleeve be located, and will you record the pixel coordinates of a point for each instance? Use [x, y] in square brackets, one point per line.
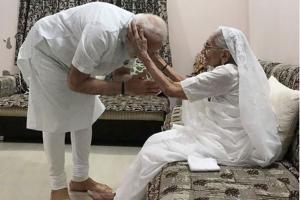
[214, 83]
[91, 47]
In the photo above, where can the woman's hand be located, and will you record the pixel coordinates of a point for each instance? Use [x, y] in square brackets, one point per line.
[154, 55]
[138, 40]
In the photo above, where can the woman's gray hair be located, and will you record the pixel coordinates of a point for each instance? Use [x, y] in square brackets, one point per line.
[221, 43]
[155, 28]
[220, 40]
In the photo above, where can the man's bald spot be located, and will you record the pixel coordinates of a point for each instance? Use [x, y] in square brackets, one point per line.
[154, 27]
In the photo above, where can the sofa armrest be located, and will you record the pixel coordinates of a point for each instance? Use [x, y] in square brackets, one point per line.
[293, 153]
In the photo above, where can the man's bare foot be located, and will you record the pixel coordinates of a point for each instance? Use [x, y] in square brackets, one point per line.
[101, 196]
[89, 184]
[61, 194]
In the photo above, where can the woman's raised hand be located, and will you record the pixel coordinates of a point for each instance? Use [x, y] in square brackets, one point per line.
[137, 39]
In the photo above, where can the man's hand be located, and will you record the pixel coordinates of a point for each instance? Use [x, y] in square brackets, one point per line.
[138, 85]
[121, 74]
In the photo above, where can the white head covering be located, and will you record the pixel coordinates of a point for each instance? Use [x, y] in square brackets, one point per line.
[257, 116]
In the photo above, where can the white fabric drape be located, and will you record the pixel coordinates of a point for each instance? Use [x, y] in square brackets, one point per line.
[257, 116]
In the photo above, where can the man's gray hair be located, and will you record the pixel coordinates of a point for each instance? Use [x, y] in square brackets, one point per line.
[155, 28]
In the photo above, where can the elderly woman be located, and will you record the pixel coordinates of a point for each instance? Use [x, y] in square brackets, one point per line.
[227, 117]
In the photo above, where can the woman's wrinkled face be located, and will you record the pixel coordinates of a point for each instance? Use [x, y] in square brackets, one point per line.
[212, 53]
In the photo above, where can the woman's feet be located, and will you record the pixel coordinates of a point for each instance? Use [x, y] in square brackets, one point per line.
[61, 194]
[89, 185]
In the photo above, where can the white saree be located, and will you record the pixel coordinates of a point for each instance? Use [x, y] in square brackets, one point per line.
[218, 122]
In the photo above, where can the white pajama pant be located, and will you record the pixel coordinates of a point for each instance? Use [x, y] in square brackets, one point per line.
[159, 149]
[54, 147]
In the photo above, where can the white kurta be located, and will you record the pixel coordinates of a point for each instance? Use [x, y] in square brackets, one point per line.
[91, 37]
[211, 129]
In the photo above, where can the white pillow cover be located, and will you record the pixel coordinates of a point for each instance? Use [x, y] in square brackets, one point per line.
[285, 102]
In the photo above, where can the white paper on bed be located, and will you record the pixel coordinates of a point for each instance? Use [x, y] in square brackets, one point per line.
[202, 164]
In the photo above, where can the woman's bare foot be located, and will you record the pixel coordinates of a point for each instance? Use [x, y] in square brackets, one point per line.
[61, 194]
[89, 184]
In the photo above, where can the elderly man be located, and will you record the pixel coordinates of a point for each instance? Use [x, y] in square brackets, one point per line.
[222, 119]
[59, 60]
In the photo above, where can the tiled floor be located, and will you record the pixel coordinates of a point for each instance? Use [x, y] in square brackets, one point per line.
[24, 170]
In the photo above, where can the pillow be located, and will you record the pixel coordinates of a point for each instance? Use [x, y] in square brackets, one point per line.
[135, 65]
[138, 67]
[285, 102]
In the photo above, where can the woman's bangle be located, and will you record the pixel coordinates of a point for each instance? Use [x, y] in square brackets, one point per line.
[165, 66]
[123, 88]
